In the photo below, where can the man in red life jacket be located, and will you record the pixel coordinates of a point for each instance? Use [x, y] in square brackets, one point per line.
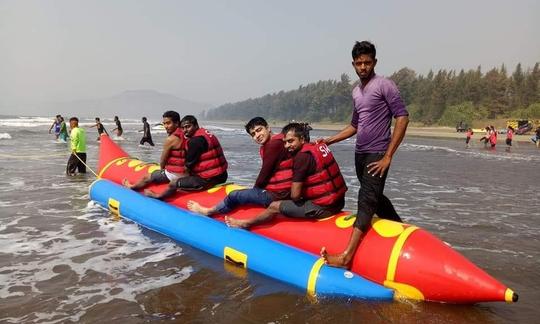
[171, 161]
[274, 180]
[318, 188]
[204, 162]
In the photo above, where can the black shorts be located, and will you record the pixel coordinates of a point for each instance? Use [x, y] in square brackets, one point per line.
[508, 142]
[307, 209]
[159, 176]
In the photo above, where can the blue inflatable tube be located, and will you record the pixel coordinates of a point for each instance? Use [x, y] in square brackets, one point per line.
[246, 249]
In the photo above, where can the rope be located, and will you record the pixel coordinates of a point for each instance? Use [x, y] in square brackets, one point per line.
[86, 165]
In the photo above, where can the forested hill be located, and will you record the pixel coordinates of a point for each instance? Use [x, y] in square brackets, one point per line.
[444, 97]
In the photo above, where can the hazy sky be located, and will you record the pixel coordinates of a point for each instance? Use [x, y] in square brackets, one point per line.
[223, 51]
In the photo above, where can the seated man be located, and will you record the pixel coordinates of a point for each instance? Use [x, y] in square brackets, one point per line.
[172, 156]
[318, 188]
[204, 162]
[274, 180]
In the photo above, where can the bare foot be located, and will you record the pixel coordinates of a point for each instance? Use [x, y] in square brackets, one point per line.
[335, 260]
[196, 207]
[236, 223]
[150, 193]
[126, 183]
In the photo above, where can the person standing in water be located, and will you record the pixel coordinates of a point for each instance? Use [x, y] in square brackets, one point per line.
[118, 129]
[100, 128]
[509, 137]
[77, 159]
[56, 126]
[63, 130]
[376, 99]
[147, 136]
[469, 135]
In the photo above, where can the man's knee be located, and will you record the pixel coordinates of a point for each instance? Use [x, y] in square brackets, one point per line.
[274, 206]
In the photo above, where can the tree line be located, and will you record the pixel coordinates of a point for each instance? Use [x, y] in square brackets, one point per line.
[444, 98]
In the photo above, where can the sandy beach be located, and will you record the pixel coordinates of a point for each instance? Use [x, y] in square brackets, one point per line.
[428, 131]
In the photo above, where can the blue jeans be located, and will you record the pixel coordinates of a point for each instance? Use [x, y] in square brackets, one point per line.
[253, 196]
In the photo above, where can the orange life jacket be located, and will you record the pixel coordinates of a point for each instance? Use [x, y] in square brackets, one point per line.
[212, 162]
[326, 186]
[177, 157]
[281, 179]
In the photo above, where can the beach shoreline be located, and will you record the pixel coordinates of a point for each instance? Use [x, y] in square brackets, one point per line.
[413, 131]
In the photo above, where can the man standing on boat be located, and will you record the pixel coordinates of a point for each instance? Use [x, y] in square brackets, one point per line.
[204, 162]
[172, 156]
[318, 188]
[376, 100]
[274, 179]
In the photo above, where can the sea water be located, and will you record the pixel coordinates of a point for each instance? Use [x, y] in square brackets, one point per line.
[63, 259]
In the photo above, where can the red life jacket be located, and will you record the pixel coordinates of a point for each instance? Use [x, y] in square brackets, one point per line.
[212, 162]
[281, 179]
[177, 157]
[326, 186]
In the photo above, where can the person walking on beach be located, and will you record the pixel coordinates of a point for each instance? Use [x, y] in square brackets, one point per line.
[119, 130]
[147, 136]
[100, 128]
[274, 180]
[469, 135]
[56, 125]
[376, 99]
[77, 159]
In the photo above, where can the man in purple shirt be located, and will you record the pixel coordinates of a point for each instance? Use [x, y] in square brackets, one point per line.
[376, 100]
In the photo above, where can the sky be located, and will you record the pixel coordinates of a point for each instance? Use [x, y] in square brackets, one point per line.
[225, 51]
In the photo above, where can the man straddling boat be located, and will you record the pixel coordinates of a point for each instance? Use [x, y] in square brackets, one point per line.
[204, 162]
[376, 100]
[318, 188]
[172, 156]
[274, 179]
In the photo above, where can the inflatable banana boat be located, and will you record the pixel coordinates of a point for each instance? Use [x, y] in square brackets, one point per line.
[407, 259]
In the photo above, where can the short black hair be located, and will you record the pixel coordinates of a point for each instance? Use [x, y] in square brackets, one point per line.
[144, 118]
[97, 118]
[298, 129]
[363, 47]
[74, 119]
[173, 115]
[190, 119]
[254, 122]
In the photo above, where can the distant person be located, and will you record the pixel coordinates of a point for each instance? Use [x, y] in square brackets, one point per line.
[77, 159]
[56, 125]
[317, 189]
[172, 157]
[376, 100]
[536, 137]
[274, 180]
[147, 135]
[100, 128]
[205, 164]
[63, 130]
[492, 136]
[469, 135]
[486, 136]
[307, 129]
[118, 128]
[509, 136]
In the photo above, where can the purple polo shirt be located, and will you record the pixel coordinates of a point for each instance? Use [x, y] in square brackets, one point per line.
[374, 107]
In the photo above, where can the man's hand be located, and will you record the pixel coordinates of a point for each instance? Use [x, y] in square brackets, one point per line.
[379, 168]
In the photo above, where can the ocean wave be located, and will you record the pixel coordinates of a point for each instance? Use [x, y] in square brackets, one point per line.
[499, 155]
[5, 136]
